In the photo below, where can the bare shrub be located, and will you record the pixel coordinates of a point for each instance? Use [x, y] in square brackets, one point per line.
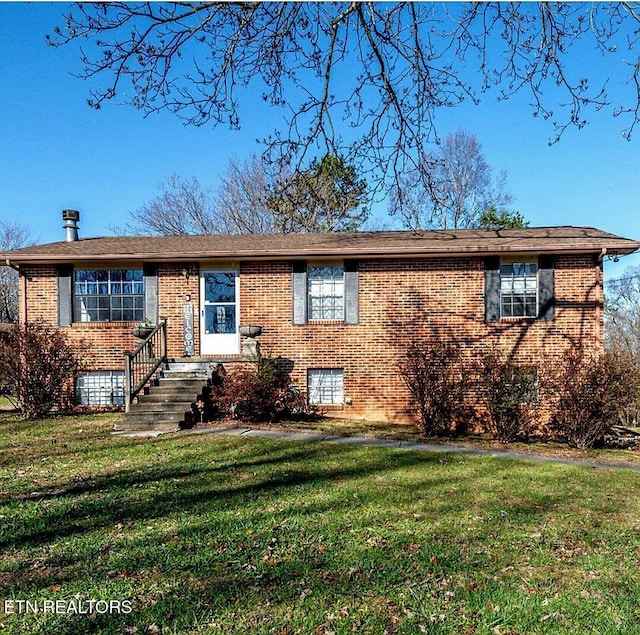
[433, 373]
[37, 365]
[591, 393]
[261, 394]
[509, 391]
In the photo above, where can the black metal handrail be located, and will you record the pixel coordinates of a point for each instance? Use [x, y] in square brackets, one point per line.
[142, 364]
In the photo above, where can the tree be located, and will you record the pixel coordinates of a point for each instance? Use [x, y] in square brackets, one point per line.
[492, 218]
[386, 68]
[12, 236]
[328, 197]
[254, 198]
[622, 314]
[185, 207]
[453, 188]
[242, 197]
[182, 207]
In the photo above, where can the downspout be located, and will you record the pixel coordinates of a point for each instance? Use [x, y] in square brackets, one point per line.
[599, 334]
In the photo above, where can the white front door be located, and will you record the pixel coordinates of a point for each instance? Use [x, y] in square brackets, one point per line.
[219, 312]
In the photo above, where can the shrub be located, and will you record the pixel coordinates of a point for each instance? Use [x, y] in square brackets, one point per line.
[509, 391]
[433, 374]
[37, 364]
[591, 392]
[263, 393]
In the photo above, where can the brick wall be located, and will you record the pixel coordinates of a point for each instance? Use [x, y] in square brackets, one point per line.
[176, 281]
[401, 300]
[102, 343]
[405, 300]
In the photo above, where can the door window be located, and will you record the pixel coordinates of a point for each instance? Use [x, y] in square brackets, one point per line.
[220, 302]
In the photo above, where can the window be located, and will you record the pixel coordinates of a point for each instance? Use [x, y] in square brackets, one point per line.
[101, 388]
[326, 292]
[326, 386]
[518, 289]
[526, 384]
[108, 295]
[219, 302]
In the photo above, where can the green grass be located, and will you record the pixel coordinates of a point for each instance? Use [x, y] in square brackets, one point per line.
[213, 534]
[5, 404]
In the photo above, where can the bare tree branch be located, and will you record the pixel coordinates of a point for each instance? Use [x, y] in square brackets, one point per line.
[385, 69]
[622, 314]
[182, 207]
[12, 236]
[453, 189]
[254, 197]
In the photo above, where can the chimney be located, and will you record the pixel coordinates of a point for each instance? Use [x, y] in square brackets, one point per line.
[70, 218]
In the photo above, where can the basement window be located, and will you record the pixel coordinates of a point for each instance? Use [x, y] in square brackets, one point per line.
[101, 388]
[527, 384]
[325, 386]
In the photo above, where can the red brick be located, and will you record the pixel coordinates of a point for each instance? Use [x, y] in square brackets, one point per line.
[400, 300]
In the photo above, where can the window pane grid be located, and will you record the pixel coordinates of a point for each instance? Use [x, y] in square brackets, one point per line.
[109, 295]
[519, 289]
[326, 386]
[326, 293]
[101, 388]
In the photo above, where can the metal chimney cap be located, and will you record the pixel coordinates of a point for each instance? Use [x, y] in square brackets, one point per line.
[70, 214]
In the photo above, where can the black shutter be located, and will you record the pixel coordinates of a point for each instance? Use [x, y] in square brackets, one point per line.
[546, 287]
[150, 276]
[351, 292]
[492, 289]
[299, 291]
[65, 298]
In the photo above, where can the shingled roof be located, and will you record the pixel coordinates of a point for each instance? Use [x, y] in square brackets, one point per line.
[298, 246]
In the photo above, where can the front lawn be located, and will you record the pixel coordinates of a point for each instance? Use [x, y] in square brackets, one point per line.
[218, 534]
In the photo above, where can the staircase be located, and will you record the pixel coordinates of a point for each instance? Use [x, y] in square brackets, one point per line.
[167, 401]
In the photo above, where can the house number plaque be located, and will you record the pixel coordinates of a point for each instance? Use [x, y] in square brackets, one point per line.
[187, 321]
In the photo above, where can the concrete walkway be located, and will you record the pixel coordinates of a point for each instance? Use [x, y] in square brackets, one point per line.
[389, 443]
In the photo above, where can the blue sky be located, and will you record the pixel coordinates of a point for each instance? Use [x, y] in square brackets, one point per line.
[57, 153]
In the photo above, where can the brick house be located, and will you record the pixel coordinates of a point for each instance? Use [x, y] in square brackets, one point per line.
[339, 308]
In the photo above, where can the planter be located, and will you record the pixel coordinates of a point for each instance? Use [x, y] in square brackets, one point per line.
[142, 331]
[251, 331]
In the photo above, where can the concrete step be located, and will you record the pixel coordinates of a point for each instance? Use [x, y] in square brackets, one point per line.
[170, 388]
[185, 375]
[166, 401]
[201, 368]
[179, 395]
[163, 397]
[178, 382]
[161, 407]
[145, 419]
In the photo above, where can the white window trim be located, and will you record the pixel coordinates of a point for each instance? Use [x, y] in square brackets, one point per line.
[334, 388]
[81, 314]
[525, 260]
[319, 264]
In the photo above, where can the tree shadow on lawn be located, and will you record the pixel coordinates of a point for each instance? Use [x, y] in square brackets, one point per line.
[187, 488]
[369, 495]
[121, 497]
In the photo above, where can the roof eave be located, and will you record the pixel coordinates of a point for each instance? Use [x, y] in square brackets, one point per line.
[620, 248]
